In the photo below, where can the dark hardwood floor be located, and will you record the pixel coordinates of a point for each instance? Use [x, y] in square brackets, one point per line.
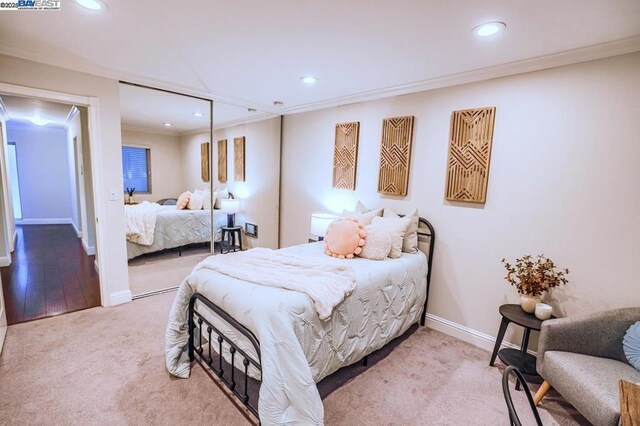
[50, 274]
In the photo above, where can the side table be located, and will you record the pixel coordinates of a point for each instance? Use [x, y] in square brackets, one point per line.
[519, 358]
[228, 239]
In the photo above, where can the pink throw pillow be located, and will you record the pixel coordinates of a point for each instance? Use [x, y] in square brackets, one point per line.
[344, 238]
[183, 200]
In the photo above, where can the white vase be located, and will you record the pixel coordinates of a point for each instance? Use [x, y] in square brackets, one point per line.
[543, 311]
[528, 303]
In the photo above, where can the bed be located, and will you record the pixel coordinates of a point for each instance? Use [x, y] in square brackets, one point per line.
[177, 228]
[273, 339]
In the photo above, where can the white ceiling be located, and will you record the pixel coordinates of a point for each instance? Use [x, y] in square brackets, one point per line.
[148, 109]
[24, 109]
[252, 52]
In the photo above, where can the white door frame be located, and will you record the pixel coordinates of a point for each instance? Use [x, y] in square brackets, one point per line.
[92, 104]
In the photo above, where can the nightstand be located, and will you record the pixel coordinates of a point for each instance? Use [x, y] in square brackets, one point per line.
[231, 239]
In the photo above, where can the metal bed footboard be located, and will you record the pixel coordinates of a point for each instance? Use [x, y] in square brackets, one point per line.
[197, 321]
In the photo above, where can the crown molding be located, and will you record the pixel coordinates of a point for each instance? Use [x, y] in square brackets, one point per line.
[573, 56]
[257, 116]
[149, 130]
[567, 57]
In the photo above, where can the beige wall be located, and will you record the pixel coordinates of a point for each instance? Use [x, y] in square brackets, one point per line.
[564, 181]
[166, 164]
[191, 161]
[32, 74]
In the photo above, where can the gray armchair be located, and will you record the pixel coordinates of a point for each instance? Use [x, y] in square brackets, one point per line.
[583, 359]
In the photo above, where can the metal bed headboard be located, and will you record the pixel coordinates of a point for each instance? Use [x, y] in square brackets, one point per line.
[424, 232]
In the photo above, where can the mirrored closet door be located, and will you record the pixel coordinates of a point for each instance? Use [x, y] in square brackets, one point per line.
[166, 185]
[246, 178]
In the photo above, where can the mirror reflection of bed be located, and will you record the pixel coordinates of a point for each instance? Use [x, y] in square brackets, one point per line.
[172, 187]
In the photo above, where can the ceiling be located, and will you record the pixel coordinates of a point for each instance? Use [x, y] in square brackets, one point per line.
[252, 52]
[148, 109]
[25, 109]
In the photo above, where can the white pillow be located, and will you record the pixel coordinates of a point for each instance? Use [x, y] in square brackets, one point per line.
[223, 194]
[363, 218]
[396, 227]
[360, 208]
[206, 199]
[410, 243]
[195, 202]
[377, 243]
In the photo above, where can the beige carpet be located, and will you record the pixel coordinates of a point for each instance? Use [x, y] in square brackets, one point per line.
[159, 271]
[106, 366]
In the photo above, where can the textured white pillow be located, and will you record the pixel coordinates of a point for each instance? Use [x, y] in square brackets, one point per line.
[363, 218]
[195, 202]
[410, 243]
[396, 227]
[377, 243]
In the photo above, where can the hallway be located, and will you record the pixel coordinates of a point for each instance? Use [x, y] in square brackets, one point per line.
[50, 274]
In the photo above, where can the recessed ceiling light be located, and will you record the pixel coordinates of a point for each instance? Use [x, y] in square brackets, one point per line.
[278, 103]
[38, 121]
[309, 79]
[91, 4]
[251, 109]
[489, 29]
[197, 114]
[167, 124]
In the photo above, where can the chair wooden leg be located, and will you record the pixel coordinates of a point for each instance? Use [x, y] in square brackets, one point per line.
[544, 388]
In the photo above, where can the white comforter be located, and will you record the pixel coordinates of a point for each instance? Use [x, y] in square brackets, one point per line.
[140, 222]
[298, 349]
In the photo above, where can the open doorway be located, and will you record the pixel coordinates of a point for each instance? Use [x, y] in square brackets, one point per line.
[50, 267]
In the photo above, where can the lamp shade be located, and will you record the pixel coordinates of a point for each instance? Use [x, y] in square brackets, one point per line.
[320, 222]
[230, 205]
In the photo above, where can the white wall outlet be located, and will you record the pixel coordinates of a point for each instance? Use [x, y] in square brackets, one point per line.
[113, 195]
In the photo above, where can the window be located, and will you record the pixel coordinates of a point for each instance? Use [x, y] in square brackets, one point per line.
[136, 168]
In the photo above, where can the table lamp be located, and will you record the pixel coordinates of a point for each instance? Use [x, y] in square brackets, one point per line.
[230, 206]
[320, 222]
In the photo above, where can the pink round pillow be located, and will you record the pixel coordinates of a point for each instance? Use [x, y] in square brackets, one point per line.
[344, 238]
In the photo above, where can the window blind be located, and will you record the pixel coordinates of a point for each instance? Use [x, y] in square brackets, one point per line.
[135, 168]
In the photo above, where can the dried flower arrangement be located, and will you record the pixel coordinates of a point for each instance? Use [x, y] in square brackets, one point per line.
[533, 277]
[130, 191]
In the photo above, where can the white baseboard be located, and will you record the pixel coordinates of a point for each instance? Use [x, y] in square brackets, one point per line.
[75, 228]
[5, 261]
[467, 334]
[120, 297]
[89, 250]
[95, 265]
[46, 221]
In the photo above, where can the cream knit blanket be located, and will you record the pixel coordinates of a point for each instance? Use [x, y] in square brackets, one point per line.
[325, 281]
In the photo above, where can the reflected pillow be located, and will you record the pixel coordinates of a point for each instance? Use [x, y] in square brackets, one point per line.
[195, 202]
[410, 242]
[397, 228]
[183, 200]
[223, 194]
